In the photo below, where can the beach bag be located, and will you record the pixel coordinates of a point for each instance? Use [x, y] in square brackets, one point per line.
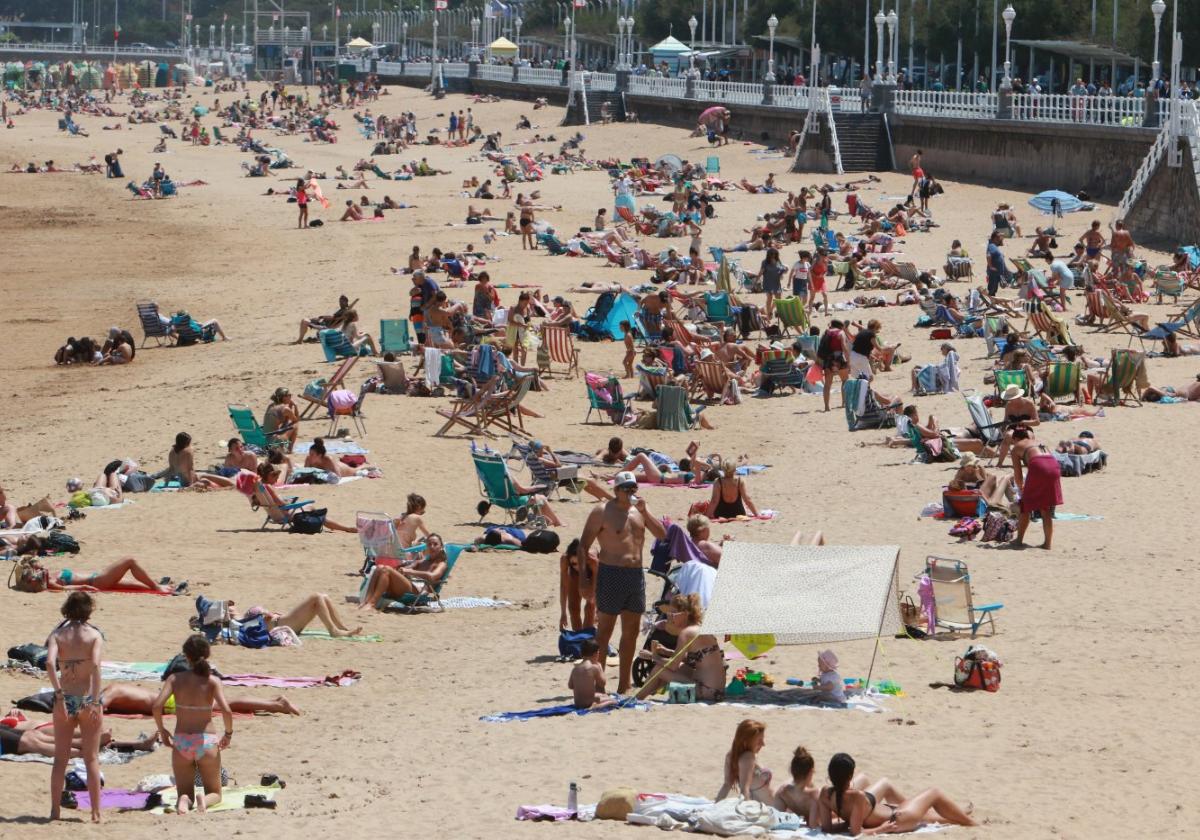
[977, 668]
[998, 528]
[749, 320]
[138, 482]
[28, 575]
[570, 642]
[736, 817]
[541, 542]
[60, 542]
[941, 334]
[966, 528]
[308, 521]
[32, 653]
[254, 634]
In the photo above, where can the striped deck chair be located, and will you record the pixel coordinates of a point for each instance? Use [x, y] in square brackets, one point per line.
[1187, 321]
[152, 324]
[1121, 376]
[1043, 321]
[335, 344]
[469, 411]
[1063, 380]
[959, 268]
[991, 432]
[905, 271]
[777, 371]
[674, 414]
[605, 396]
[1168, 283]
[317, 391]
[393, 336]
[792, 315]
[1097, 312]
[1004, 378]
[709, 378]
[650, 379]
[503, 409]
[560, 349]
[1120, 320]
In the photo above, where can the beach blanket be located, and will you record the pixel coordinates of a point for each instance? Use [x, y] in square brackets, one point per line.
[131, 800]
[763, 516]
[132, 671]
[468, 603]
[232, 799]
[116, 506]
[345, 678]
[763, 697]
[107, 757]
[321, 634]
[332, 447]
[563, 710]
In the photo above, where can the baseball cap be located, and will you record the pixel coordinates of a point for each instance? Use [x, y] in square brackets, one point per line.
[626, 479]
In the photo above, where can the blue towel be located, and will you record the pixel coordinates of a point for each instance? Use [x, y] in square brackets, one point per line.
[749, 469]
[559, 711]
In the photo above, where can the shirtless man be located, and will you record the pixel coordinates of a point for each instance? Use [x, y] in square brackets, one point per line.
[733, 355]
[121, 698]
[1122, 247]
[438, 321]
[239, 458]
[28, 737]
[699, 528]
[324, 322]
[620, 528]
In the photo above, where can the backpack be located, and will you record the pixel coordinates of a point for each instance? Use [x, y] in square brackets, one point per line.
[138, 482]
[308, 521]
[541, 542]
[749, 320]
[570, 641]
[28, 575]
[57, 542]
[254, 634]
[998, 528]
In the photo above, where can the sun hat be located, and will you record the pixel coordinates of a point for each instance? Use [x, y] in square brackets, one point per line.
[706, 353]
[829, 659]
[1012, 392]
[626, 479]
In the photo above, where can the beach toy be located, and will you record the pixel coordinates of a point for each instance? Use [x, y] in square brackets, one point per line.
[736, 688]
[753, 645]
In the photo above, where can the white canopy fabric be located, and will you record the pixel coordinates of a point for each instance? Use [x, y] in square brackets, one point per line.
[670, 46]
[805, 594]
[359, 44]
[503, 46]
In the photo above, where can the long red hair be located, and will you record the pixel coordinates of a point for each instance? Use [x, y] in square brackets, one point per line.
[743, 741]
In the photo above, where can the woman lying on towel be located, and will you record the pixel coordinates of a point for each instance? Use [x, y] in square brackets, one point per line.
[697, 658]
[121, 698]
[28, 737]
[315, 606]
[111, 577]
[430, 567]
[842, 808]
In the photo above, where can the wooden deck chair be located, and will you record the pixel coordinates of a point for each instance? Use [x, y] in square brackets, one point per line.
[959, 268]
[1000, 306]
[393, 336]
[956, 607]
[710, 378]
[316, 392]
[1186, 321]
[674, 414]
[560, 349]
[1046, 323]
[251, 432]
[1063, 380]
[614, 406]
[503, 409]
[905, 271]
[1097, 312]
[1004, 378]
[792, 315]
[1121, 376]
[1168, 283]
[335, 345]
[1120, 320]
[468, 412]
[1041, 352]
[152, 324]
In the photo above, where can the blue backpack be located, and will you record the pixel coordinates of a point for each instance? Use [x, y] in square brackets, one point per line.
[570, 641]
[253, 634]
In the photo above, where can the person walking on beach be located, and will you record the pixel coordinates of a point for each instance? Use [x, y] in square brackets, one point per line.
[620, 529]
[73, 666]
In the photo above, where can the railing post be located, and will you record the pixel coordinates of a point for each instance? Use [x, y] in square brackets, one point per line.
[768, 93]
[473, 68]
[1150, 112]
[689, 86]
[1004, 107]
[516, 77]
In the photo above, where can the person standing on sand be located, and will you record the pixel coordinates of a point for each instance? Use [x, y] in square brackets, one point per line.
[620, 529]
[302, 202]
[1038, 478]
[73, 665]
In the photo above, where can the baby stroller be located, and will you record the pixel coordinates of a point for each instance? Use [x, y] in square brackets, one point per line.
[660, 567]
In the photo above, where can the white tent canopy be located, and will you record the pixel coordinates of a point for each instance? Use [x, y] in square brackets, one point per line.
[670, 46]
[806, 594]
[360, 44]
[503, 46]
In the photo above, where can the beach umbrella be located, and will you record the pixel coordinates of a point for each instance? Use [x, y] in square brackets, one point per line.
[1067, 203]
[503, 47]
[671, 162]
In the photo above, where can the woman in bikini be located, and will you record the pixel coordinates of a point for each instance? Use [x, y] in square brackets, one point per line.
[411, 521]
[577, 588]
[842, 808]
[194, 744]
[69, 580]
[73, 665]
[697, 657]
[730, 498]
[800, 795]
[741, 764]
[431, 566]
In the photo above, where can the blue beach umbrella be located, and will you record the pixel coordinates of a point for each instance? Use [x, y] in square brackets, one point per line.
[1045, 201]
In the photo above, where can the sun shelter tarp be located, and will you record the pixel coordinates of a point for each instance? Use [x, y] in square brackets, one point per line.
[503, 47]
[360, 44]
[805, 594]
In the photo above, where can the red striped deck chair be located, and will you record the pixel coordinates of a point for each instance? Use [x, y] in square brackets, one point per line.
[710, 378]
[560, 349]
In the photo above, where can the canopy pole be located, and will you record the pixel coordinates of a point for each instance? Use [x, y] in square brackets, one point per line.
[644, 691]
[893, 586]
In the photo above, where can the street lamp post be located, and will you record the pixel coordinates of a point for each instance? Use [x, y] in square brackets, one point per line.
[433, 82]
[1157, 7]
[772, 23]
[404, 41]
[517, 23]
[474, 39]
[891, 61]
[1009, 15]
[880, 20]
[692, 52]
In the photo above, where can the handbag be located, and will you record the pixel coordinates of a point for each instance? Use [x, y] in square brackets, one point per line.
[308, 521]
[977, 668]
[910, 612]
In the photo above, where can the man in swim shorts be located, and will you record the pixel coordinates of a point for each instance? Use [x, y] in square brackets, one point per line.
[620, 529]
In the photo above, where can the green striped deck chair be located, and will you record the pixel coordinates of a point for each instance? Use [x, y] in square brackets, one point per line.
[1121, 375]
[792, 314]
[1062, 381]
[673, 412]
[1168, 283]
[1004, 378]
[393, 336]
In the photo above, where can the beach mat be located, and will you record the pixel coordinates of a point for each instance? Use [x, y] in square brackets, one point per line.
[332, 447]
[135, 671]
[232, 799]
[324, 636]
[107, 757]
[562, 711]
[129, 800]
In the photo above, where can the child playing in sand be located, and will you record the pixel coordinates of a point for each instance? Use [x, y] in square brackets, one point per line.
[630, 353]
[587, 679]
[829, 683]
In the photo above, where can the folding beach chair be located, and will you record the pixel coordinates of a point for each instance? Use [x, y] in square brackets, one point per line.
[1041, 352]
[991, 432]
[186, 333]
[673, 411]
[427, 595]
[650, 379]
[992, 335]
[709, 378]
[777, 371]
[862, 410]
[605, 396]
[1045, 323]
[1004, 378]
[503, 408]
[792, 315]
[393, 336]
[1168, 283]
[1187, 321]
[336, 345]
[1121, 376]
[560, 349]
[955, 604]
[468, 412]
[316, 392]
[339, 410]
[381, 544]
[807, 344]
[497, 487]
[152, 323]
[1063, 379]
[280, 515]
[712, 166]
[718, 309]
[251, 432]
[1114, 312]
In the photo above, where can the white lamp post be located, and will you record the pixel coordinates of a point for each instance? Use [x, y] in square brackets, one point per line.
[404, 41]
[1157, 7]
[567, 38]
[1009, 14]
[891, 61]
[474, 39]
[517, 23]
[692, 54]
[433, 82]
[772, 23]
[880, 20]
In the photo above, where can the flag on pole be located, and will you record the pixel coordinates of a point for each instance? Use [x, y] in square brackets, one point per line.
[580, 4]
[441, 5]
[337, 11]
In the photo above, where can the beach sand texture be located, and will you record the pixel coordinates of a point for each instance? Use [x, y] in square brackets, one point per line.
[1090, 732]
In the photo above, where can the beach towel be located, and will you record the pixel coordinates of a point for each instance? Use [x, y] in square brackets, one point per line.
[131, 800]
[433, 366]
[332, 447]
[232, 799]
[132, 671]
[763, 516]
[564, 709]
[107, 757]
[334, 680]
[758, 697]
[469, 603]
[321, 634]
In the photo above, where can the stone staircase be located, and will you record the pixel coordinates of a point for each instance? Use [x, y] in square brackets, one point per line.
[594, 99]
[863, 143]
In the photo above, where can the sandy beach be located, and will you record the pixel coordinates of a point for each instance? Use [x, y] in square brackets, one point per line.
[1088, 734]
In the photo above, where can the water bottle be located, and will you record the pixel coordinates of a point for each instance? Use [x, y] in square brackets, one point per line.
[573, 798]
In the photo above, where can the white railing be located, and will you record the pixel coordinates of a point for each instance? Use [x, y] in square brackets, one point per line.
[790, 96]
[97, 51]
[744, 93]
[845, 100]
[652, 86]
[496, 72]
[1144, 172]
[947, 103]
[1125, 111]
[540, 76]
[420, 69]
[453, 70]
[601, 81]
[837, 150]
